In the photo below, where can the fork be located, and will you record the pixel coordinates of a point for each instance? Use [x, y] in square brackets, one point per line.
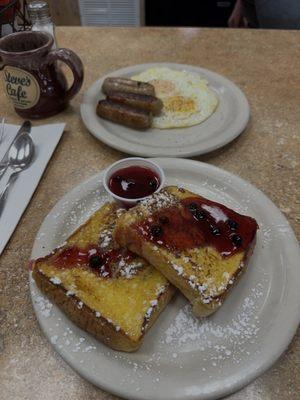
[2, 129]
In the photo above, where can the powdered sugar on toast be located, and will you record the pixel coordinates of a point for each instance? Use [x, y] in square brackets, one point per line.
[157, 201]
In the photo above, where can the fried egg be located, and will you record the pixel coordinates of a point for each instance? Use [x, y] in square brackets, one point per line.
[187, 98]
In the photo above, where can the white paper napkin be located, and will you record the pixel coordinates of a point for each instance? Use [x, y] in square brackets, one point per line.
[46, 138]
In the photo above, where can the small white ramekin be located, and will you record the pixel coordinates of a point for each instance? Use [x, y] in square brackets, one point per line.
[131, 162]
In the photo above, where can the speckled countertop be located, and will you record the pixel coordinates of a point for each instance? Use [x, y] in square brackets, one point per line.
[266, 65]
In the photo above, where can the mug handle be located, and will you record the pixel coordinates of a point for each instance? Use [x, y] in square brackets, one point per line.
[74, 63]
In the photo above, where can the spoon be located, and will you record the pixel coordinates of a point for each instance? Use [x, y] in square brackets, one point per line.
[24, 128]
[20, 156]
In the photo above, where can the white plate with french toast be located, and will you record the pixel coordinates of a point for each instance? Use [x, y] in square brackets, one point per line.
[181, 356]
[202, 111]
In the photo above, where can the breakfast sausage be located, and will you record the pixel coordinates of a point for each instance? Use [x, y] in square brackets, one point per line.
[128, 86]
[141, 101]
[121, 114]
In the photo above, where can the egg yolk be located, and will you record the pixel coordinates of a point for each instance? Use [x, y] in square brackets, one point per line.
[179, 104]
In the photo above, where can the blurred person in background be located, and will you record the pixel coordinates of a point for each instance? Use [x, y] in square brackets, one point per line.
[272, 14]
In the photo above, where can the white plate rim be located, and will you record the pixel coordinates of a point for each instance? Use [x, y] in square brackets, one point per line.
[292, 316]
[238, 125]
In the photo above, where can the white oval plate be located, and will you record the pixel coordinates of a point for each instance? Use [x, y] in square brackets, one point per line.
[183, 358]
[225, 124]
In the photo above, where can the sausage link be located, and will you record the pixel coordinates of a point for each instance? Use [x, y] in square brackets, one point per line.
[144, 102]
[128, 86]
[124, 115]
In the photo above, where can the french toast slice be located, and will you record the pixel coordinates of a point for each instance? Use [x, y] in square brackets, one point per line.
[104, 289]
[201, 247]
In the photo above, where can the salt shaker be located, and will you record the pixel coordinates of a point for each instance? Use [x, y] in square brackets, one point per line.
[39, 14]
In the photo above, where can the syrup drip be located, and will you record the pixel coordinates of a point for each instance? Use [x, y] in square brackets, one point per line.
[101, 262]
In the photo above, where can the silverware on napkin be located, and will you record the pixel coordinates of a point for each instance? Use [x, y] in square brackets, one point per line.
[20, 156]
[4, 163]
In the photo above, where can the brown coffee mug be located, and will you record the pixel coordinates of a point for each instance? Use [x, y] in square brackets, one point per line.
[32, 79]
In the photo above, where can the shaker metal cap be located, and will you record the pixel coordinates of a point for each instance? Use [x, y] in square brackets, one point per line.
[38, 10]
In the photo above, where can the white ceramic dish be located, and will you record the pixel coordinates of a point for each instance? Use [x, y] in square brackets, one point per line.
[183, 358]
[129, 162]
[224, 125]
